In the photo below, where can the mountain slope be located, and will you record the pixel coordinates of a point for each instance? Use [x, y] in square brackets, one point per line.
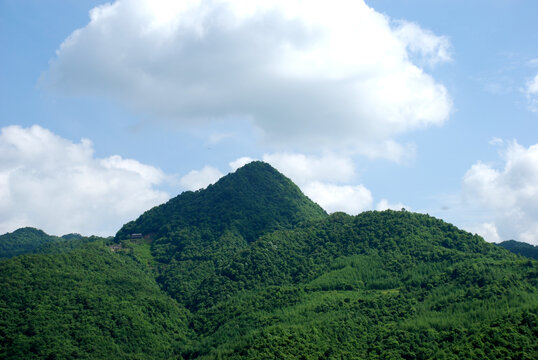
[378, 285]
[88, 303]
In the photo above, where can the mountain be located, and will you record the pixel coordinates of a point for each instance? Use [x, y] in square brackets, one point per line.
[23, 241]
[254, 200]
[195, 235]
[250, 268]
[520, 248]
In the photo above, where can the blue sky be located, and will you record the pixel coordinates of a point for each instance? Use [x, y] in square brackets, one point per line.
[429, 105]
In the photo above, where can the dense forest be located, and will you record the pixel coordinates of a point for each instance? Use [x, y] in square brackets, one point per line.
[250, 268]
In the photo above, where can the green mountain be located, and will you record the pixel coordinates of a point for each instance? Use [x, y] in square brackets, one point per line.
[254, 200]
[195, 235]
[520, 248]
[23, 241]
[250, 268]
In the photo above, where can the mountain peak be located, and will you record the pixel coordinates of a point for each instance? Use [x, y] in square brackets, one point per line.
[258, 167]
[22, 241]
[29, 230]
[253, 200]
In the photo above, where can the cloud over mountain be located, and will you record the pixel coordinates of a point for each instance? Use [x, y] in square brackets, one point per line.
[316, 74]
[509, 192]
[52, 183]
[303, 168]
[324, 179]
[200, 179]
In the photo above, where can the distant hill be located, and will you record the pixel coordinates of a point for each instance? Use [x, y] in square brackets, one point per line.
[72, 236]
[250, 268]
[30, 240]
[23, 241]
[520, 248]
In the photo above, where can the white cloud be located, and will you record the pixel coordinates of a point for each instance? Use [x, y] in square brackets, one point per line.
[236, 164]
[384, 204]
[488, 231]
[509, 192]
[532, 93]
[496, 141]
[54, 184]
[304, 168]
[308, 74]
[431, 48]
[200, 179]
[346, 198]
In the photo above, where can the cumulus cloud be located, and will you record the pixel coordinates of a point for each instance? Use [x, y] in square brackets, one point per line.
[51, 183]
[430, 48]
[532, 93]
[200, 179]
[236, 164]
[509, 192]
[308, 74]
[346, 198]
[303, 168]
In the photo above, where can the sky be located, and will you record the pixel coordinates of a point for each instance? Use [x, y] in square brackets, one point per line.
[110, 108]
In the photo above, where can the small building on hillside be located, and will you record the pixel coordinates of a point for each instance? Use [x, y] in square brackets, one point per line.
[115, 247]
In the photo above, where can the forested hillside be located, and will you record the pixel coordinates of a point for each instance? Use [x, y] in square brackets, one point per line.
[388, 285]
[250, 268]
[87, 303]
